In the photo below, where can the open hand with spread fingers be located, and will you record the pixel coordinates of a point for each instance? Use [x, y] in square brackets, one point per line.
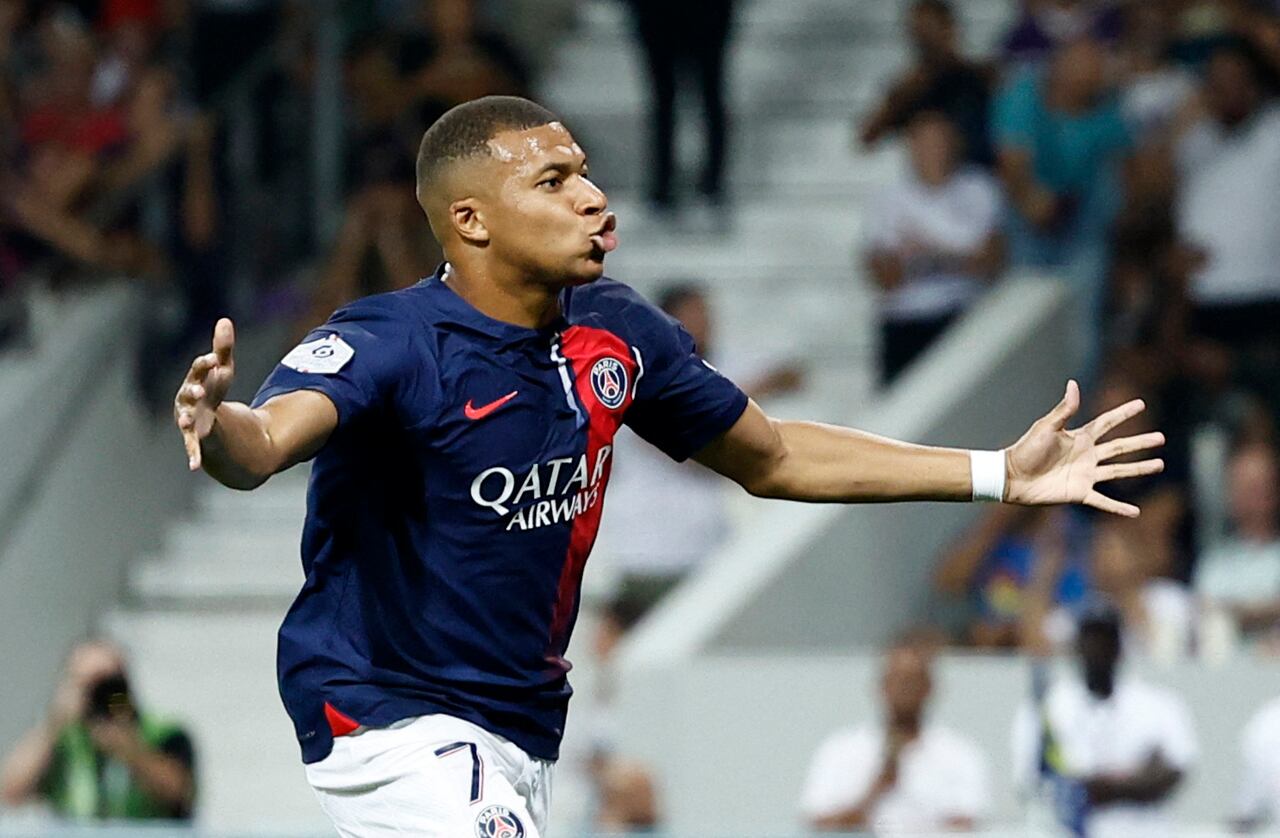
[203, 390]
[1051, 464]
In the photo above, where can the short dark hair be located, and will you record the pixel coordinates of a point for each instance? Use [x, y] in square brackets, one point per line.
[465, 130]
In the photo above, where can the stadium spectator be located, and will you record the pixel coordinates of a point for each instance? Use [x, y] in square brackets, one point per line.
[1060, 138]
[1123, 744]
[904, 774]
[1229, 165]
[77, 151]
[397, 85]
[1154, 89]
[628, 799]
[685, 39]
[996, 565]
[1043, 26]
[225, 36]
[1241, 573]
[1257, 802]
[1156, 612]
[98, 755]
[933, 243]
[688, 498]
[1165, 530]
[1201, 26]
[760, 375]
[942, 79]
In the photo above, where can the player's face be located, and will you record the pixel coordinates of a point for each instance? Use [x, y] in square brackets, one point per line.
[546, 218]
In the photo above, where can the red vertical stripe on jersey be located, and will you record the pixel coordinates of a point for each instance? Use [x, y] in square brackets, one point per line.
[339, 722]
[582, 347]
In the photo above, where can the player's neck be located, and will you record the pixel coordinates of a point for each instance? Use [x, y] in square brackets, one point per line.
[527, 304]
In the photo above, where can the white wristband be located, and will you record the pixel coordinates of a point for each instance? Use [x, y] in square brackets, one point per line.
[986, 468]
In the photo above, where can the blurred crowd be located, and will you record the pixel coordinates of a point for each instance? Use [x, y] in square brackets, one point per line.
[1131, 149]
[154, 140]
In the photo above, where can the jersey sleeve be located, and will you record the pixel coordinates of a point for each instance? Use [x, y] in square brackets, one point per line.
[369, 357]
[681, 401]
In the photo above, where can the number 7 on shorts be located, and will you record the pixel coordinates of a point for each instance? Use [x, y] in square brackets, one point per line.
[477, 766]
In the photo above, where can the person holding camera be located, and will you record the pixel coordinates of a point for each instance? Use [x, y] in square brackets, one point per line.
[97, 755]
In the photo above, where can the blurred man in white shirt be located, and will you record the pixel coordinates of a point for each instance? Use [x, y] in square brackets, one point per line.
[1240, 574]
[1258, 799]
[933, 243]
[902, 775]
[1126, 744]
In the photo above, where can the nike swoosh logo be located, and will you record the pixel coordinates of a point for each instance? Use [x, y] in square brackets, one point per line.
[473, 413]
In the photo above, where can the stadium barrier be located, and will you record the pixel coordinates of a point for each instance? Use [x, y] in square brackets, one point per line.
[730, 736]
[84, 487]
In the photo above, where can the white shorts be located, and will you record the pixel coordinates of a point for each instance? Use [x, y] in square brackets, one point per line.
[433, 776]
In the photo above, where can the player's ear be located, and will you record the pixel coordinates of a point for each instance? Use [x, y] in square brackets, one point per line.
[468, 222]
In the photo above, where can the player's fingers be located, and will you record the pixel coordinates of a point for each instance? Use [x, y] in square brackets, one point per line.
[1065, 409]
[224, 340]
[190, 393]
[1119, 471]
[200, 367]
[1100, 501]
[1101, 425]
[192, 443]
[1127, 445]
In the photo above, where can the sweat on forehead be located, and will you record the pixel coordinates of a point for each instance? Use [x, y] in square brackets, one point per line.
[465, 131]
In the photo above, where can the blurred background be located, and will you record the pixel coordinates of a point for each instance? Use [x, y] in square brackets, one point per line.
[914, 216]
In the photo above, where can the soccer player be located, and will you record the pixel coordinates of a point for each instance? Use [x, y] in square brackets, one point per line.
[462, 433]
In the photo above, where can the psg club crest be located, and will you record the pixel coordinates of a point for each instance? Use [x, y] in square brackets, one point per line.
[498, 822]
[609, 382]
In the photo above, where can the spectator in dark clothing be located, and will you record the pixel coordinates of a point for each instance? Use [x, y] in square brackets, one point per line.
[942, 79]
[98, 755]
[1045, 25]
[685, 39]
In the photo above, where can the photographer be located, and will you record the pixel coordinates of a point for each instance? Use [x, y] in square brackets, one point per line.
[97, 756]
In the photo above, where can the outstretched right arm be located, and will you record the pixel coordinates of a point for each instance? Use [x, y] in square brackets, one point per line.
[237, 445]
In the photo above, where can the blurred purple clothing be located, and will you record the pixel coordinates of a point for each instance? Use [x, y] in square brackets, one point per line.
[1034, 36]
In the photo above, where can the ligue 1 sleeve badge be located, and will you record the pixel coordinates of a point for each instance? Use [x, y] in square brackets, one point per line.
[498, 822]
[609, 382]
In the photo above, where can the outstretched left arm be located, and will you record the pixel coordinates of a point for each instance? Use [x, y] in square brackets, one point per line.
[808, 461]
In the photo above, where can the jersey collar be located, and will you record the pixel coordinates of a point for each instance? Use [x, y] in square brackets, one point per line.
[452, 308]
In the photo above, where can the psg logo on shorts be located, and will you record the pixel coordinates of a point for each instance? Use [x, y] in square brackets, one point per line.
[499, 822]
[609, 381]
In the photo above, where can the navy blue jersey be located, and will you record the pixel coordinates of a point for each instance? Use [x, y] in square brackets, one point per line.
[450, 514]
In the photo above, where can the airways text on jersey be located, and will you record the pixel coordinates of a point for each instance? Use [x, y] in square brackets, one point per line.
[553, 492]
